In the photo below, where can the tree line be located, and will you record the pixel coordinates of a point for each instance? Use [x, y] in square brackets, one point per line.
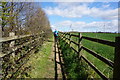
[23, 18]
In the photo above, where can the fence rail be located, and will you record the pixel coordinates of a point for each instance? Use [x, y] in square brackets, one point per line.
[95, 68]
[115, 65]
[108, 62]
[109, 43]
[7, 39]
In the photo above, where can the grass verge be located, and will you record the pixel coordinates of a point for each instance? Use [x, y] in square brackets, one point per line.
[41, 63]
[73, 68]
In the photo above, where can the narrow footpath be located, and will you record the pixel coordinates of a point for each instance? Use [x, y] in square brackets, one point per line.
[48, 62]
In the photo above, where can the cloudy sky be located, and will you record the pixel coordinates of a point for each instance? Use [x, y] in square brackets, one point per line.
[82, 16]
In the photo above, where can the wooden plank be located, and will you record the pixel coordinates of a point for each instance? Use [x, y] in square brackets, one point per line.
[67, 38]
[95, 69]
[109, 43]
[74, 49]
[108, 62]
[26, 54]
[11, 50]
[74, 42]
[12, 75]
[74, 35]
[6, 39]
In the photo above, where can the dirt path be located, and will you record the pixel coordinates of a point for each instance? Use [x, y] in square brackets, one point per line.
[59, 73]
[54, 61]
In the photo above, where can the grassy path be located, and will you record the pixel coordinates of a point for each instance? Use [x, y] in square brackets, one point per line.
[42, 63]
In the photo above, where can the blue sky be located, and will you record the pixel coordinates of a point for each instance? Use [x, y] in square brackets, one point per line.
[82, 17]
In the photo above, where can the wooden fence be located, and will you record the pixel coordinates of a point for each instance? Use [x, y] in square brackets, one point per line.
[115, 65]
[15, 52]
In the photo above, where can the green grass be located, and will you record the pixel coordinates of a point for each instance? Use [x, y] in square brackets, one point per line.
[41, 63]
[104, 68]
[104, 36]
[101, 49]
[73, 67]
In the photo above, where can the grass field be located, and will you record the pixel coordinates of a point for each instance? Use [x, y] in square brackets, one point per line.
[101, 49]
[104, 50]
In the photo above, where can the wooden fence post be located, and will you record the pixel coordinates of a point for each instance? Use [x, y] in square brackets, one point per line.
[12, 43]
[65, 36]
[116, 71]
[69, 38]
[0, 38]
[79, 44]
[0, 53]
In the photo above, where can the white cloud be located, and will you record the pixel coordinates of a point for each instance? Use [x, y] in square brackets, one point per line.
[106, 6]
[109, 26]
[75, 10]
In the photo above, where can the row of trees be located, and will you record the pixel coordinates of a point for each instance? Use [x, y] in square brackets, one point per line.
[23, 18]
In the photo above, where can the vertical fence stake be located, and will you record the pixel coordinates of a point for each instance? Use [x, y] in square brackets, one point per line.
[65, 36]
[79, 44]
[12, 43]
[116, 71]
[69, 38]
[0, 54]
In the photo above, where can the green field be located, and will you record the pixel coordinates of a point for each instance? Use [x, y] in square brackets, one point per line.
[101, 49]
[104, 50]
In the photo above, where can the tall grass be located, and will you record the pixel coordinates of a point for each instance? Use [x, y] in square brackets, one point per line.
[73, 68]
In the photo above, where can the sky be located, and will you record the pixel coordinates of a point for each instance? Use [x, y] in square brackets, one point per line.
[82, 16]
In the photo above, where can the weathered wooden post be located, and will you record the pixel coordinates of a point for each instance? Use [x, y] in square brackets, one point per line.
[0, 53]
[64, 36]
[116, 71]
[12, 43]
[0, 39]
[69, 38]
[61, 35]
[79, 44]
